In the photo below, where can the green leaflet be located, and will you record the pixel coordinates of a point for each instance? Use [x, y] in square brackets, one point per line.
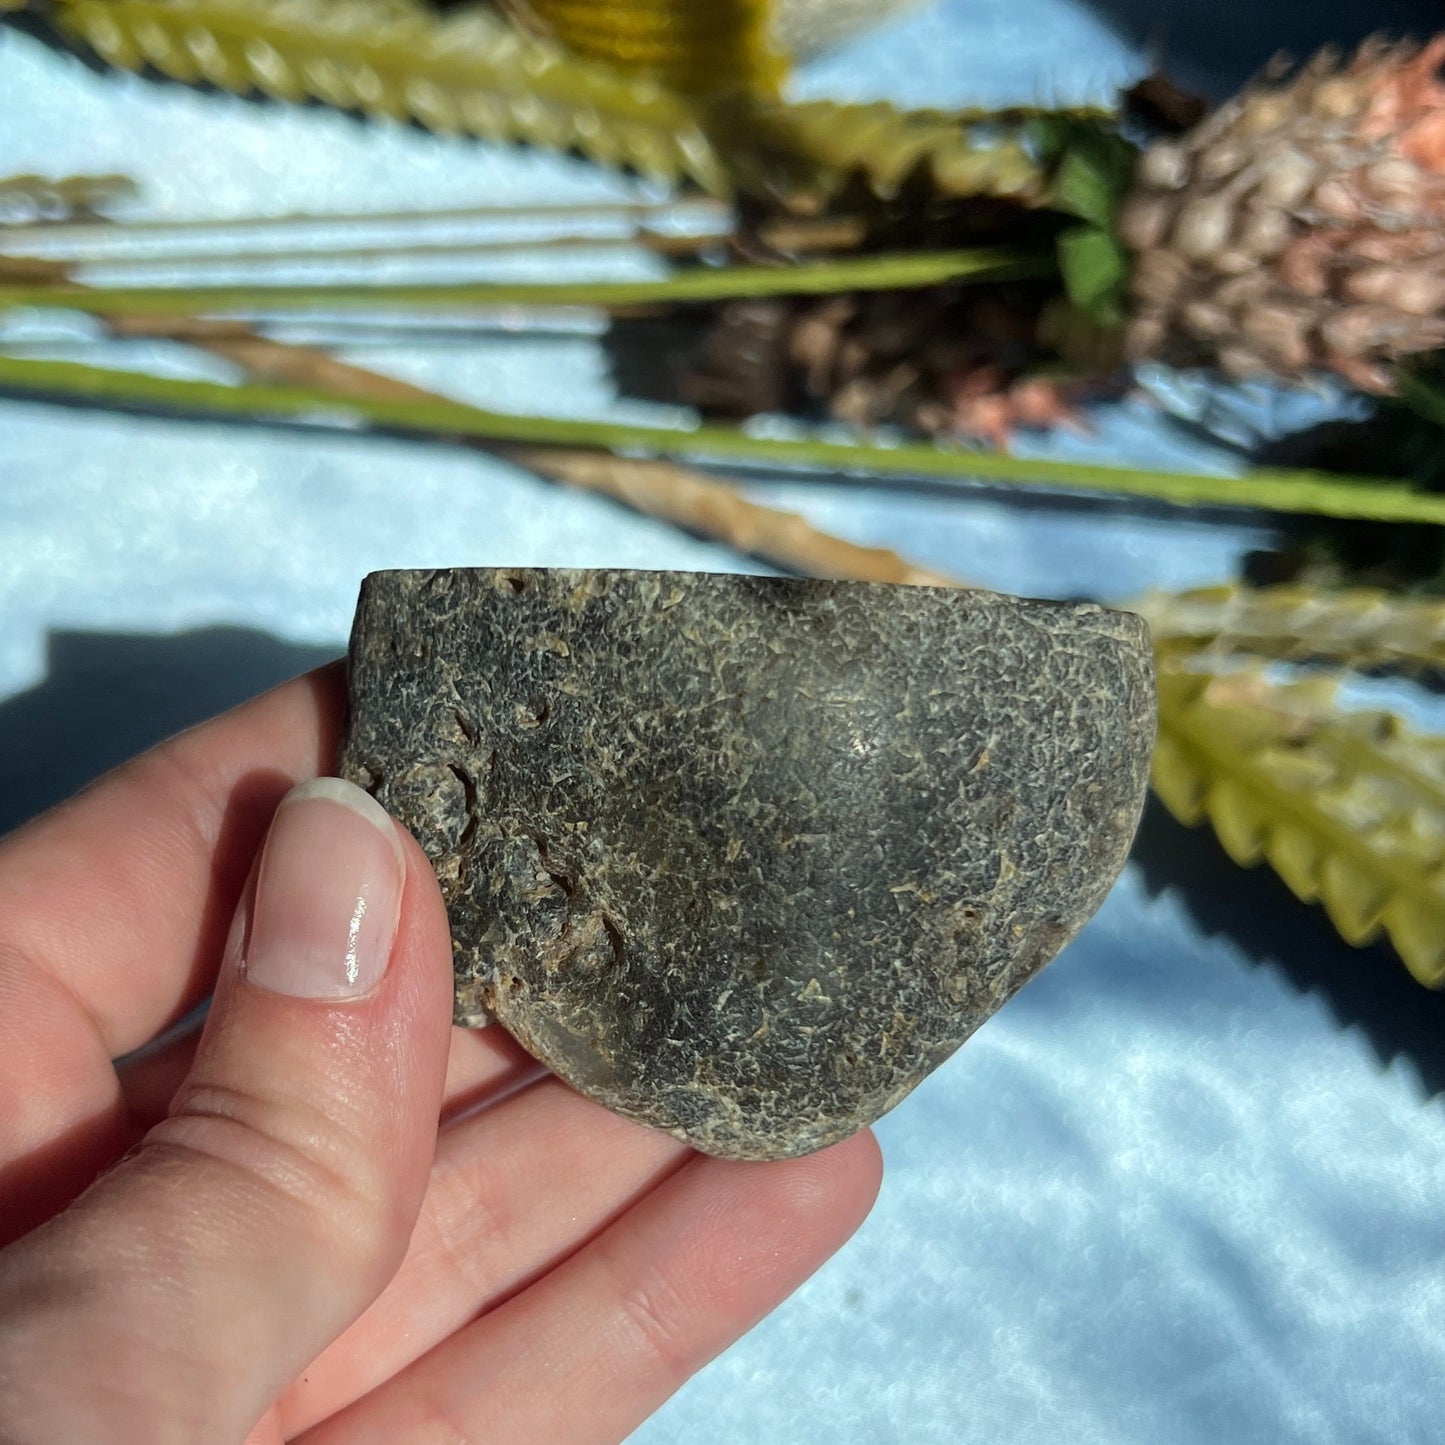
[1094, 267]
[1093, 171]
[1279, 490]
[1358, 627]
[1348, 808]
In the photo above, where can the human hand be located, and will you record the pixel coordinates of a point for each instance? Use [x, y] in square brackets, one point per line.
[290, 1247]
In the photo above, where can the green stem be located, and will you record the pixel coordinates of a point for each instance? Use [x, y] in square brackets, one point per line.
[64, 233]
[1315, 493]
[867, 273]
[679, 244]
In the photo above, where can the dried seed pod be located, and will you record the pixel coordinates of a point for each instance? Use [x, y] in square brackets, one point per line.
[1419, 292]
[1281, 333]
[1158, 277]
[1145, 222]
[1208, 320]
[1164, 166]
[1286, 178]
[1333, 195]
[1264, 233]
[1203, 227]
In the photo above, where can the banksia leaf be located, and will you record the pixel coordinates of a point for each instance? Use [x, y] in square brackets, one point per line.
[30, 199]
[473, 72]
[802, 27]
[1347, 807]
[720, 45]
[804, 154]
[469, 72]
[1358, 627]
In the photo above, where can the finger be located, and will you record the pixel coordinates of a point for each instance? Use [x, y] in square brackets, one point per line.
[591, 1350]
[483, 1066]
[513, 1193]
[151, 1078]
[112, 915]
[137, 877]
[62, 1115]
[259, 1220]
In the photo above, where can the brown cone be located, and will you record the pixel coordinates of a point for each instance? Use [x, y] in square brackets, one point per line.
[954, 361]
[1301, 227]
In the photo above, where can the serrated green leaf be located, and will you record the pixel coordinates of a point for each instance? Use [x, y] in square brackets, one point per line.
[466, 72]
[1296, 854]
[469, 71]
[1361, 627]
[804, 27]
[802, 154]
[720, 45]
[1349, 808]
[57, 198]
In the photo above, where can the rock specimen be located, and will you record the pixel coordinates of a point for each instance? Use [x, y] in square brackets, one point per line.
[745, 858]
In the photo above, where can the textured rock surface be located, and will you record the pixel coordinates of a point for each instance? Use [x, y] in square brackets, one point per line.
[745, 858]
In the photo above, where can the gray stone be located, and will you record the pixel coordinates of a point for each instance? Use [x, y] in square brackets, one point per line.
[745, 858]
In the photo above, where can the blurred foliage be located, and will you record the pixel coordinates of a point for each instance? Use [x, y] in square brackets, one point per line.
[1347, 807]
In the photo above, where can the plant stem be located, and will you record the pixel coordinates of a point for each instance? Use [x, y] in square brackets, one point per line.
[868, 273]
[1282, 491]
[663, 243]
[786, 235]
[84, 232]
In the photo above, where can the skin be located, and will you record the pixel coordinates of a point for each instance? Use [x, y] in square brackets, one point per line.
[317, 1221]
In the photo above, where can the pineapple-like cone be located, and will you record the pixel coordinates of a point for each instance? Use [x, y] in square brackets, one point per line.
[1301, 227]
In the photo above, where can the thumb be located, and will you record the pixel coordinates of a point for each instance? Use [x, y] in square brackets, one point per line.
[189, 1286]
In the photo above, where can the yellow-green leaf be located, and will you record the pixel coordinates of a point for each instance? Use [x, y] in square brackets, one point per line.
[803, 154]
[31, 198]
[473, 72]
[1361, 627]
[719, 45]
[469, 72]
[802, 27]
[1347, 807]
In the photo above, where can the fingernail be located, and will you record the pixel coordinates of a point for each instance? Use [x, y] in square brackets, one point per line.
[328, 894]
